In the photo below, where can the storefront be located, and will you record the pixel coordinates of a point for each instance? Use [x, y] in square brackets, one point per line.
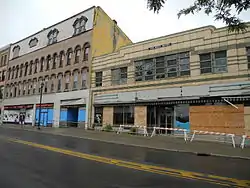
[46, 114]
[13, 113]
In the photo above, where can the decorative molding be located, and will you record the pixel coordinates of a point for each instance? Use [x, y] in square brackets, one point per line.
[33, 42]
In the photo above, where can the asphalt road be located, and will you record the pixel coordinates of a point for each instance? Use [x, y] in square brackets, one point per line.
[72, 162]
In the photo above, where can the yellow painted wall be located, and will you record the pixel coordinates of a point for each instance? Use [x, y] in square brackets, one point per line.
[107, 37]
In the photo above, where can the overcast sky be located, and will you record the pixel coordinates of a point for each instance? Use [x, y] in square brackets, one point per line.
[20, 18]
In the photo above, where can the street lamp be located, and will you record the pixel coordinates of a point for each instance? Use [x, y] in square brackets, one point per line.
[40, 103]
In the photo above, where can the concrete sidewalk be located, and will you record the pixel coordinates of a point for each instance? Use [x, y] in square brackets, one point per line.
[157, 142]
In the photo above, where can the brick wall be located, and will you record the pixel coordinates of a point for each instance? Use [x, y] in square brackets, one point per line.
[140, 115]
[247, 119]
[217, 118]
[108, 115]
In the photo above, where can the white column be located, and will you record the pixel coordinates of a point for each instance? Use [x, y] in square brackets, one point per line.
[2, 114]
[87, 111]
[57, 109]
[34, 115]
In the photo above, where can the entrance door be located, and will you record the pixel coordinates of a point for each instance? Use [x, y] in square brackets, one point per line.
[169, 119]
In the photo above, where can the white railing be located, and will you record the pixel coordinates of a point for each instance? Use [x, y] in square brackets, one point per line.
[171, 129]
[213, 133]
[122, 128]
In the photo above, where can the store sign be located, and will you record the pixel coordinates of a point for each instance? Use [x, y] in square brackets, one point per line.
[45, 105]
[18, 107]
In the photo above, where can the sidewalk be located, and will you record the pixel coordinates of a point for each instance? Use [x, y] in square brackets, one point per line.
[157, 142]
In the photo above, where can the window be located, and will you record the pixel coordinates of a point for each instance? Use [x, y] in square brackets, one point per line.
[33, 42]
[48, 62]
[52, 36]
[15, 91]
[54, 61]
[123, 115]
[2, 60]
[17, 70]
[3, 75]
[86, 52]
[46, 85]
[75, 84]
[173, 65]
[119, 76]
[19, 89]
[16, 51]
[36, 65]
[13, 73]
[61, 59]
[98, 79]
[26, 69]
[52, 85]
[29, 87]
[24, 88]
[5, 60]
[98, 114]
[34, 87]
[59, 85]
[80, 25]
[248, 57]
[213, 62]
[67, 82]
[42, 64]
[69, 56]
[21, 71]
[77, 54]
[30, 70]
[84, 78]
[9, 73]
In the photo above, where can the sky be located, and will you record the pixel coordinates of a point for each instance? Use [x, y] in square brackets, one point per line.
[21, 18]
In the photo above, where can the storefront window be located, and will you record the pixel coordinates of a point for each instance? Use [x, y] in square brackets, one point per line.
[123, 115]
[98, 116]
[182, 116]
[151, 116]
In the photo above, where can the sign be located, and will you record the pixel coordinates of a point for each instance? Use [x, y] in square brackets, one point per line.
[45, 105]
[18, 107]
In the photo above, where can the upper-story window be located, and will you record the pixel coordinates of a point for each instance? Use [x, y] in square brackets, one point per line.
[173, 65]
[16, 51]
[86, 49]
[75, 83]
[42, 63]
[77, 53]
[24, 88]
[36, 65]
[69, 56]
[26, 68]
[248, 57]
[61, 59]
[34, 86]
[21, 71]
[84, 78]
[52, 36]
[9, 73]
[13, 73]
[54, 61]
[30, 67]
[48, 62]
[67, 81]
[3, 75]
[214, 62]
[17, 71]
[33, 42]
[80, 25]
[119, 76]
[46, 84]
[59, 83]
[98, 79]
[2, 57]
[5, 60]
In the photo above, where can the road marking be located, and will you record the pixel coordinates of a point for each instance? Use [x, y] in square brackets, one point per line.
[224, 181]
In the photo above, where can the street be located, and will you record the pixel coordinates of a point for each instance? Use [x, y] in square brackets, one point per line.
[31, 159]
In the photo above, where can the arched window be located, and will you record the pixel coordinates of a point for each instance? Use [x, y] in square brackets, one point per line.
[84, 78]
[75, 83]
[67, 80]
[69, 56]
[26, 68]
[9, 73]
[86, 49]
[34, 85]
[42, 64]
[59, 83]
[30, 70]
[54, 60]
[61, 59]
[17, 70]
[48, 62]
[36, 65]
[77, 53]
[13, 73]
[21, 71]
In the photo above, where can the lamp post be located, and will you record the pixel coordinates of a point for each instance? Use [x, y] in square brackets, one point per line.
[40, 104]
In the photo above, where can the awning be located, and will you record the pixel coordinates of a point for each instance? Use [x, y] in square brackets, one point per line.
[73, 102]
[238, 98]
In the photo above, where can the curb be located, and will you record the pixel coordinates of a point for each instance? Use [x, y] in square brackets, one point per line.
[135, 145]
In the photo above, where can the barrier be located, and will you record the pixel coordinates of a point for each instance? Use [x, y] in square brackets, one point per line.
[121, 129]
[213, 133]
[242, 144]
[171, 129]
